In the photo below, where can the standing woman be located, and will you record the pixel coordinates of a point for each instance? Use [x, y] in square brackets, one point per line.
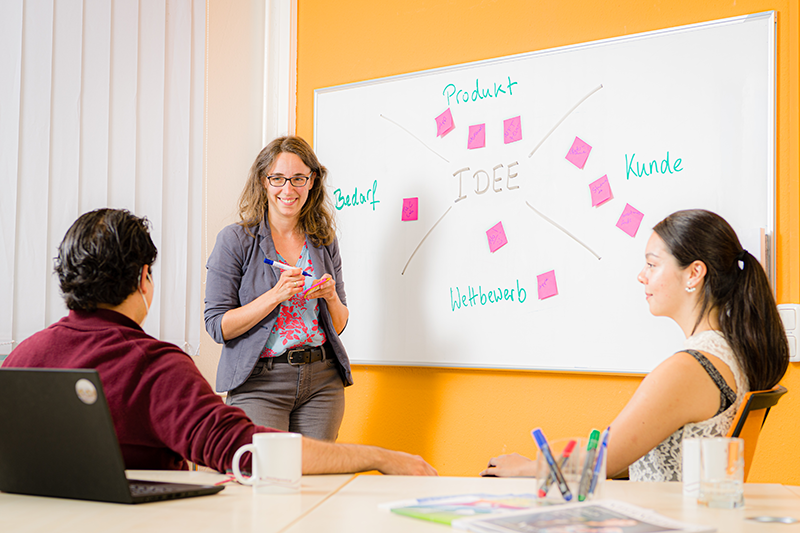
[282, 360]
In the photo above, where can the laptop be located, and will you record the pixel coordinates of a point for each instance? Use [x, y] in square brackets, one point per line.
[57, 439]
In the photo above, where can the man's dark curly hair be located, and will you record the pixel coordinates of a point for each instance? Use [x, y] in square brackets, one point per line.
[101, 258]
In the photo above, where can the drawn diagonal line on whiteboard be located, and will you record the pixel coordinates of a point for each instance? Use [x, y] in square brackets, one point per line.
[417, 138]
[423, 239]
[573, 237]
[549, 133]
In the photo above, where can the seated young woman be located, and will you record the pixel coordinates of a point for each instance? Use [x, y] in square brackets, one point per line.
[696, 273]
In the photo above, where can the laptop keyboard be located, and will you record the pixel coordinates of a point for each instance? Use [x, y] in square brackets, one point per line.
[150, 489]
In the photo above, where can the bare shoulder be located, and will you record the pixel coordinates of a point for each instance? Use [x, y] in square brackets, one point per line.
[682, 382]
[675, 393]
[683, 366]
[680, 366]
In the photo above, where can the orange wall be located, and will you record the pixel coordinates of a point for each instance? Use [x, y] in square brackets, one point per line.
[458, 419]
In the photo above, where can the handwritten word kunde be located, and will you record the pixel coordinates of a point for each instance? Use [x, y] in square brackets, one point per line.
[483, 176]
[461, 96]
[357, 198]
[475, 297]
[646, 169]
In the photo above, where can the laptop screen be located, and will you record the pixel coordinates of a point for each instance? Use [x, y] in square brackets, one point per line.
[58, 439]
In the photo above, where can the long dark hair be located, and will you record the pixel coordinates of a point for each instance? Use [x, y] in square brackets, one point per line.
[316, 216]
[737, 287]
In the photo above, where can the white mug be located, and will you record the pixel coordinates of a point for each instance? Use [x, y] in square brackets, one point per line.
[690, 470]
[277, 463]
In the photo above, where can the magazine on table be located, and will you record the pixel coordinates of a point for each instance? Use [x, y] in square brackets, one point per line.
[602, 516]
[445, 509]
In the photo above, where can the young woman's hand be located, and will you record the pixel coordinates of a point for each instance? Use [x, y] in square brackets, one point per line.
[510, 465]
[289, 284]
[324, 287]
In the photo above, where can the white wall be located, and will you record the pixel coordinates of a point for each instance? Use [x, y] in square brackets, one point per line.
[250, 99]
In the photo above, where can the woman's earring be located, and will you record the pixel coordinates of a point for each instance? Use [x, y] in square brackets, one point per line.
[691, 289]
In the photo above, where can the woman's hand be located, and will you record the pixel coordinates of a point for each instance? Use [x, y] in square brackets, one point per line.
[511, 465]
[325, 288]
[289, 284]
[241, 319]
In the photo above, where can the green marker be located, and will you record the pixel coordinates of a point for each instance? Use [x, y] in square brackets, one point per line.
[586, 473]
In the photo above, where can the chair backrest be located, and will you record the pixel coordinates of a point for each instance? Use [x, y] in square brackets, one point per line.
[750, 419]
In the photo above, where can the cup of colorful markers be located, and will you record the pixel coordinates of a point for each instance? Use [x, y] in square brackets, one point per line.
[570, 470]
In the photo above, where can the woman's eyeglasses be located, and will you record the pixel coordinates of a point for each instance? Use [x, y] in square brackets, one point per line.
[297, 181]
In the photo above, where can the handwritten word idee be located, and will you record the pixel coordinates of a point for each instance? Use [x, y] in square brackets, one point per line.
[492, 180]
[474, 297]
[357, 198]
[664, 166]
[461, 96]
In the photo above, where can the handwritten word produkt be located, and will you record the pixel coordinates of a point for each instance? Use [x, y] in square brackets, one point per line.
[461, 96]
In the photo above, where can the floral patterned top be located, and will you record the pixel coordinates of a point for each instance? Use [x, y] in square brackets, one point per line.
[663, 463]
[298, 318]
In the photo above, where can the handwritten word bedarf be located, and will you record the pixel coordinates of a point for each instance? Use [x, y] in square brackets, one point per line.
[357, 198]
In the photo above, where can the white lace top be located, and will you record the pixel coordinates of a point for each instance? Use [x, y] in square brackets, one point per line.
[663, 463]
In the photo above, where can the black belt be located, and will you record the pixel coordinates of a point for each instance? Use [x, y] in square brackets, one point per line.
[301, 356]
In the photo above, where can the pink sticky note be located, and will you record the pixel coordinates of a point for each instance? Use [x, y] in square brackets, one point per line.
[512, 130]
[630, 220]
[477, 136]
[410, 208]
[601, 191]
[497, 237]
[444, 123]
[579, 153]
[547, 284]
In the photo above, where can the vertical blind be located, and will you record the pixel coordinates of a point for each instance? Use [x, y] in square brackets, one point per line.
[101, 105]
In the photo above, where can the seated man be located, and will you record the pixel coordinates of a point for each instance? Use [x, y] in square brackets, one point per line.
[164, 410]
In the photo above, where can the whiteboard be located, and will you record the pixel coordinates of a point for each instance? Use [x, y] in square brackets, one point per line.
[675, 119]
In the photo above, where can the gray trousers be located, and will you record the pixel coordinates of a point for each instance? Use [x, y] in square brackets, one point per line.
[306, 399]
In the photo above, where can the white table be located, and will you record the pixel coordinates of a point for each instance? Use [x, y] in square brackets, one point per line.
[237, 509]
[794, 489]
[349, 504]
[354, 508]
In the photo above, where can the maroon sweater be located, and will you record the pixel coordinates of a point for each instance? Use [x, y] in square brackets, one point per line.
[163, 408]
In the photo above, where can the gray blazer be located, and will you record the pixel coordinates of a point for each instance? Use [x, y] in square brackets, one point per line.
[237, 275]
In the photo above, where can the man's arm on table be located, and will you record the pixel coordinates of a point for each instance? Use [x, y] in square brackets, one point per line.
[331, 458]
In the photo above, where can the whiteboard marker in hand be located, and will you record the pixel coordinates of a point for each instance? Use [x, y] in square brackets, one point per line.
[283, 266]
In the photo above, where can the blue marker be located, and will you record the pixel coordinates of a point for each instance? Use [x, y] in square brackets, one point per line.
[285, 267]
[600, 456]
[565, 455]
[538, 436]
